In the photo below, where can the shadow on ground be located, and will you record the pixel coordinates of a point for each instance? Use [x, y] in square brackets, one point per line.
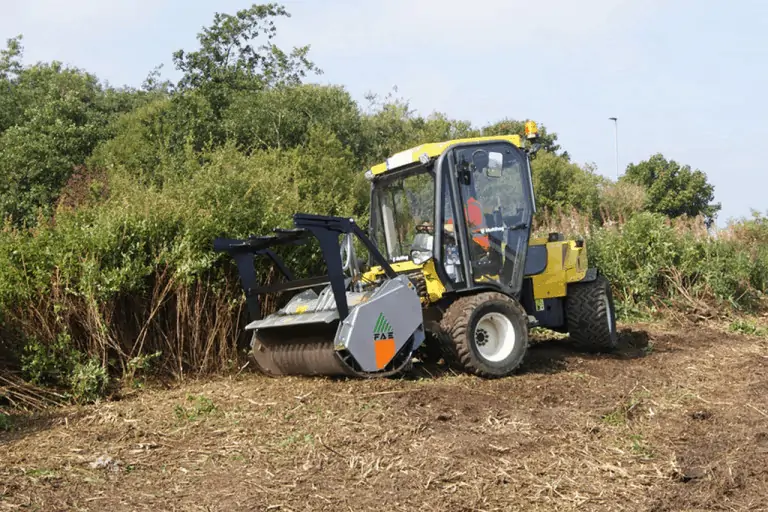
[22, 424]
[549, 356]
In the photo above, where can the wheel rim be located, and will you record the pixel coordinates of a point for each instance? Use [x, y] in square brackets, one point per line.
[608, 312]
[495, 337]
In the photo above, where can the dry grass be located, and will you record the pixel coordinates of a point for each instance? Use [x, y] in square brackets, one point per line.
[195, 326]
[678, 420]
[576, 223]
[22, 395]
[571, 223]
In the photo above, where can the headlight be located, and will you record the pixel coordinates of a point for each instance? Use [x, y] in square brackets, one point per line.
[420, 257]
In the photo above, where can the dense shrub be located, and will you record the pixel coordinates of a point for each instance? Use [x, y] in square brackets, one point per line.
[652, 261]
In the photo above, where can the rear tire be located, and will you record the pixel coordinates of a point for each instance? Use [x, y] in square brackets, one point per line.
[590, 315]
[485, 335]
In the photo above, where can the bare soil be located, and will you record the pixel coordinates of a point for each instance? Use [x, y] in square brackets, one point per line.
[676, 420]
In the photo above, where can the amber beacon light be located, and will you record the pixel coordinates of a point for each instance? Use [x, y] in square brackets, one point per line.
[531, 130]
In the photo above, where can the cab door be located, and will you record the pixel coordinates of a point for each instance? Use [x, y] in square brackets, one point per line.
[494, 189]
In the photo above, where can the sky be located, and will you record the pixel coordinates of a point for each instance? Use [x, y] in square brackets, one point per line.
[685, 78]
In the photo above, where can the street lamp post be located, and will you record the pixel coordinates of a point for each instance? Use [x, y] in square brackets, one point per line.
[616, 125]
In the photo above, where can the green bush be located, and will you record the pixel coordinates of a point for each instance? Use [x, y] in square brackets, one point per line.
[89, 381]
[61, 365]
[650, 261]
[50, 364]
[110, 279]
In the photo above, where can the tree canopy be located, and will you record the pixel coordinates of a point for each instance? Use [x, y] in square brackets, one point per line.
[230, 59]
[673, 189]
[52, 117]
[547, 140]
[238, 88]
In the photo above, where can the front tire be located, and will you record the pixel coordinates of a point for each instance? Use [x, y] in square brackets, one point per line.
[485, 335]
[590, 316]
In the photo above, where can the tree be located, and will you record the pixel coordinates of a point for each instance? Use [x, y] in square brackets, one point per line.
[51, 118]
[390, 126]
[284, 117]
[562, 185]
[228, 64]
[511, 126]
[228, 58]
[10, 58]
[10, 67]
[673, 189]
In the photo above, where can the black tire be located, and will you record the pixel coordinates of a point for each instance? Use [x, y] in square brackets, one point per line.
[460, 336]
[590, 315]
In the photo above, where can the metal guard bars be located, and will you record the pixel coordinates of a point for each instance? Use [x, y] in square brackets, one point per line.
[326, 229]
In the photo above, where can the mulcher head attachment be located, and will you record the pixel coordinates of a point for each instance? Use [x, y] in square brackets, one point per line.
[334, 325]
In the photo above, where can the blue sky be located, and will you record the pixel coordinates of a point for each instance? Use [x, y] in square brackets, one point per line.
[686, 78]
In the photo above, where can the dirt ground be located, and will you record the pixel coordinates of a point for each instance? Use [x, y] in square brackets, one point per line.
[677, 420]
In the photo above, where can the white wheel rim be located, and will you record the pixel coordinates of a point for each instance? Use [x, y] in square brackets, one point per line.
[608, 313]
[495, 337]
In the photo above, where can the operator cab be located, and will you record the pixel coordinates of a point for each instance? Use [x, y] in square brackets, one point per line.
[480, 193]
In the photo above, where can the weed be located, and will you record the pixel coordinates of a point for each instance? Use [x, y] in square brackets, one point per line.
[297, 438]
[238, 457]
[44, 474]
[648, 349]
[6, 422]
[625, 411]
[615, 418]
[202, 407]
[747, 327]
[640, 447]
[89, 381]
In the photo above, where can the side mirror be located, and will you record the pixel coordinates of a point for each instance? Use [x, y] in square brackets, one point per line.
[534, 149]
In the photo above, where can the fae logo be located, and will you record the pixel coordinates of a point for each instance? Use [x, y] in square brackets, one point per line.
[382, 330]
[383, 341]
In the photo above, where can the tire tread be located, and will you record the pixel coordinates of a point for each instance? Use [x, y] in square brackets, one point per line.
[455, 324]
[586, 316]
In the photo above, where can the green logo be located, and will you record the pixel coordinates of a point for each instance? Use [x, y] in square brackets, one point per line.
[382, 330]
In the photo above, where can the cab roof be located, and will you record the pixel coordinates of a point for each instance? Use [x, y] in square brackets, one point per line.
[432, 150]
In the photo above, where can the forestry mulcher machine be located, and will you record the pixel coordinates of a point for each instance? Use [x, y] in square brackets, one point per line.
[452, 271]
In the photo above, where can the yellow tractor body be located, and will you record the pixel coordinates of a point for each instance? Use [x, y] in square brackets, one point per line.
[453, 270]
